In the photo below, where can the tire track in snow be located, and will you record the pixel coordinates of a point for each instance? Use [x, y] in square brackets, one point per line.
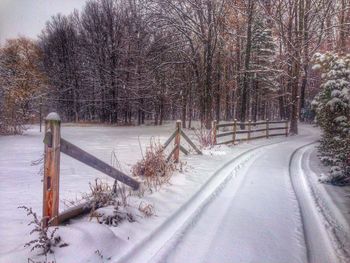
[320, 238]
[243, 224]
[172, 229]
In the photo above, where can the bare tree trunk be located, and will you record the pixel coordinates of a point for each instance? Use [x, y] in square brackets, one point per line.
[183, 108]
[342, 30]
[304, 81]
[245, 87]
[298, 25]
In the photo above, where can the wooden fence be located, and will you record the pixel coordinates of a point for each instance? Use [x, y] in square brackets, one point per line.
[176, 136]
[54, 145]
[252, 128]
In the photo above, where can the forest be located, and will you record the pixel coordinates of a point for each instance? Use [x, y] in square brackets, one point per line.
[133, 125]
[125, 62]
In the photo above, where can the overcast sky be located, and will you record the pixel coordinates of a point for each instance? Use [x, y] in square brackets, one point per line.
[28, 17]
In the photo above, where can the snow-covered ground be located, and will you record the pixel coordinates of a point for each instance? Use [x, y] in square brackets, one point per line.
[332, 201]
[254, 202]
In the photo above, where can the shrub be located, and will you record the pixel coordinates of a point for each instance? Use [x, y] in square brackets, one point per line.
[204, 137]
[154, 168]
[100, 195]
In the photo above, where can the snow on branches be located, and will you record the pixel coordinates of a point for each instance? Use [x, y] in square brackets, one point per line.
[332, 107]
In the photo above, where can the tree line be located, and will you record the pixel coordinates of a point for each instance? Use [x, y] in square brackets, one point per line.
[130, 61]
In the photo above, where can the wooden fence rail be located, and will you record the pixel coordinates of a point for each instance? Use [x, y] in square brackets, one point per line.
[54, 145]
[90, 160]
[250, 131]
[177, 134]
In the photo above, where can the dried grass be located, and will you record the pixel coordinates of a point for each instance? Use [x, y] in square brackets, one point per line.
[100, 195]
[204, 137]
[115, 218]
[153, 169]
[146, 209]
[46, 238]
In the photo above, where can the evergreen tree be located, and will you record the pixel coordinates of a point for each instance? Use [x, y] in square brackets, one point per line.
[263, 75]
[332, 107]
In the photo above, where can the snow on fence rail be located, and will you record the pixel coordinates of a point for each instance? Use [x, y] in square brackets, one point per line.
[54, 145]
[249, 131]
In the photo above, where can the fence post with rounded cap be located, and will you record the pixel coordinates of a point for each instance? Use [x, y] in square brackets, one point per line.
[51, 169]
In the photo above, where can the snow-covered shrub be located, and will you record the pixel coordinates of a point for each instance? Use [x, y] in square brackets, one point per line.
[332, 107]
[154, 168]
[114, 217]
[46, 239]
[101, 194]
[108, 204]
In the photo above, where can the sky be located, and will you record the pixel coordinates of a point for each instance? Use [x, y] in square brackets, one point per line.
[28, 17]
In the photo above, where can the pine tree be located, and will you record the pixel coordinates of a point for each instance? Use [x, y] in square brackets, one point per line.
[263, 63]
[332, 107]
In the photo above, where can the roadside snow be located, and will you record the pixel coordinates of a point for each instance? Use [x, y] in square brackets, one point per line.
[21, 182]
[332, 201]
[258, 198]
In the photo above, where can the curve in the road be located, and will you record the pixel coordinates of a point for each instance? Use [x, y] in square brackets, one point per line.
[187, 213]
[284, 219]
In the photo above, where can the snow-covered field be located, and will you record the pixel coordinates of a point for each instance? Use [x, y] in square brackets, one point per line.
[254, 202]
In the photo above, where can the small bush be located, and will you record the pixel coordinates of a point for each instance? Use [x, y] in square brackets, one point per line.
[204, 137]
[154, 168]
[101, 195]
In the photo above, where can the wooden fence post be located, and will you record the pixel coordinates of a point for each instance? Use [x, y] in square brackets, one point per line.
[249, 129]
[234, 131]
[213, 132]
[177, 141]
[267, 128]
[51, 169]
[286, 128]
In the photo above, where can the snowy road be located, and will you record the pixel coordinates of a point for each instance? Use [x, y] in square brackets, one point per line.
[256, 209]
[254, 202]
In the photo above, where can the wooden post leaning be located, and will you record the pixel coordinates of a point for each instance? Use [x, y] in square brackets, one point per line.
[287, 128]
[177, 141]
[249, 129]
[267, 128]
[213, 132]
[234, 131]
[51, 169]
